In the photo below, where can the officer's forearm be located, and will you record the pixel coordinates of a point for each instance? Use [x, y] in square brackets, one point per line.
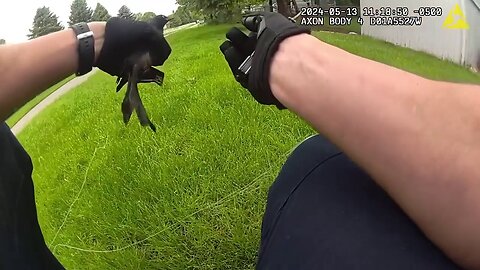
[27, 69]
[419, 139]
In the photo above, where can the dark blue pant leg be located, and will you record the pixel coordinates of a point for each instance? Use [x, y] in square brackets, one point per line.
[324, 212]
[22, 245]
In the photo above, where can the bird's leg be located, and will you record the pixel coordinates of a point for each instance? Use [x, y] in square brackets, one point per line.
[143, 117]
[123, 78]
[135, 97]
[127, 107]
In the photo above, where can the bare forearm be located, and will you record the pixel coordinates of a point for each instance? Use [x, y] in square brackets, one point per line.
[28, 68]
[416, 137]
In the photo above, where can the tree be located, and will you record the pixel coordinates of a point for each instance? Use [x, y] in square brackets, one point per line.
[79, 12]
[146, 17]
[2, 41]
[181, 16]
[218, 10]
[124, 12]
[100, 14]
[44, 22]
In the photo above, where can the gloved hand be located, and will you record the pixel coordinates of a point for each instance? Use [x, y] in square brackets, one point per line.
[268, 30]
[124, 38]
[130, 50]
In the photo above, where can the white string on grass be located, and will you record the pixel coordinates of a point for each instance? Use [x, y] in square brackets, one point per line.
[208, 207]
[246, 188]
[79, 191]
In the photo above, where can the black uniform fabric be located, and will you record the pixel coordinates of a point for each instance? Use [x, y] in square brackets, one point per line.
[21, 241]
[324, 212]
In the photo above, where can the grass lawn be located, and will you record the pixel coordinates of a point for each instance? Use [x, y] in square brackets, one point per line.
[13, 119]
[190, 196]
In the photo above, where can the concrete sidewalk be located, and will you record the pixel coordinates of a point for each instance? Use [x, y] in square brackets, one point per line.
[25, 120]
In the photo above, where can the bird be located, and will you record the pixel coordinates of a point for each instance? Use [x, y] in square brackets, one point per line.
[138, 68]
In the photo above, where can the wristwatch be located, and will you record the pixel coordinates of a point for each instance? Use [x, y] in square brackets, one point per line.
[86, 48]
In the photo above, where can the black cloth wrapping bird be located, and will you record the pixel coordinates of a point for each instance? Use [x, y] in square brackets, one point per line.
[138, 68]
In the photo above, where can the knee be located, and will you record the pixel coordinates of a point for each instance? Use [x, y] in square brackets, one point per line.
[311, 151]
[308, 155]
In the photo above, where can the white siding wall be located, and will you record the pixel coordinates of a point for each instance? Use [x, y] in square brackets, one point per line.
[472, 47]
[460, 46]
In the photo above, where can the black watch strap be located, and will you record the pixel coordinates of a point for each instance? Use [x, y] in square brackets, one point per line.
[86, 48]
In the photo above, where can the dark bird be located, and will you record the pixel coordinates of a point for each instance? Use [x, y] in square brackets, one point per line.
[138, 68]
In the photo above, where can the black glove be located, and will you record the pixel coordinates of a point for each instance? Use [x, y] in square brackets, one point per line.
[124, 38]
[268, 30]
[130, 51]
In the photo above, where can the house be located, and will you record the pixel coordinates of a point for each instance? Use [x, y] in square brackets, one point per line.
[452, 33]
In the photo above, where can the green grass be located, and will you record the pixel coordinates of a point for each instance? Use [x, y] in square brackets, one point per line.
[419, 63]
[190, 196]
[18, 114]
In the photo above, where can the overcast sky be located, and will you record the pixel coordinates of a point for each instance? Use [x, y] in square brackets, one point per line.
[16, 16]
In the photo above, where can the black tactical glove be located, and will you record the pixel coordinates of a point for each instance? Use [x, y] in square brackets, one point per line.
[268, 30]
[125, 37]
